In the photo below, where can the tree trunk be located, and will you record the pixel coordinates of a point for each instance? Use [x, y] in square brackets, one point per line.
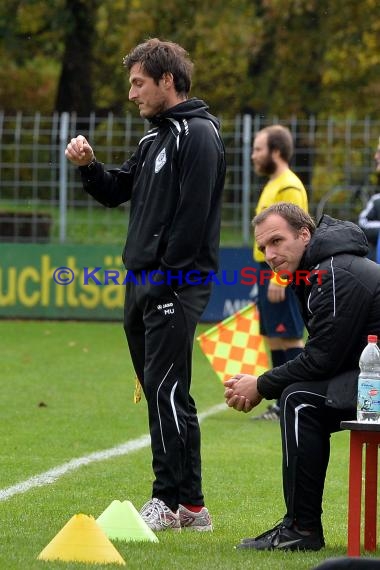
[75, 83]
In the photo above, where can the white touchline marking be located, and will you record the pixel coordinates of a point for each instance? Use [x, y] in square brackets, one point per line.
[52, 475]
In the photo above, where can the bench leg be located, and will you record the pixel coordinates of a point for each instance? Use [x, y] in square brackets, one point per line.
[354, 495]
[370, 497]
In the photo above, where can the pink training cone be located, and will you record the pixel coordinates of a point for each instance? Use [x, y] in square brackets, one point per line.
[81, 540]
[121, 521]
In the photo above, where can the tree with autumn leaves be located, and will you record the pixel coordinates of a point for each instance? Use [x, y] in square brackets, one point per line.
[271, 57]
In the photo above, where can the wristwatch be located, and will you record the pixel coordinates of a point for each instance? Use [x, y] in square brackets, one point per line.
[92, 163]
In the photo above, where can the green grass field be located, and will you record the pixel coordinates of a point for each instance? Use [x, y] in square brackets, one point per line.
[67, 391]
[98, 225]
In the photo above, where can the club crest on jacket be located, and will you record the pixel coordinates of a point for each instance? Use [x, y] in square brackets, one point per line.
[160, 161]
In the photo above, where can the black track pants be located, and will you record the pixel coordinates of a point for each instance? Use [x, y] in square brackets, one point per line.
[306, 425]
[160, 326]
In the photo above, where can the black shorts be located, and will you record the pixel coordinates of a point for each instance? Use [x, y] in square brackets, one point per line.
[282, 319]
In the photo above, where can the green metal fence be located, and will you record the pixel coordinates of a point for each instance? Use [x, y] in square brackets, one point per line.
[41, 199]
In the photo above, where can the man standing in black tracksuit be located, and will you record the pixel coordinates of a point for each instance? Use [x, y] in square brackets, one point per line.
[339, 293]
[369, 217]
[174, 182]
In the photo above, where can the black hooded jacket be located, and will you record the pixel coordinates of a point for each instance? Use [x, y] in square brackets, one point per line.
[339, 313]
[174, 181]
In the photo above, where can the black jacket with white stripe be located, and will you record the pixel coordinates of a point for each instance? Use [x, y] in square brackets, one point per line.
[174, 182]
[339, 313]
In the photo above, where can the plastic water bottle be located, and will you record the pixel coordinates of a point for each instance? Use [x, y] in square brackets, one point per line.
[368, 409]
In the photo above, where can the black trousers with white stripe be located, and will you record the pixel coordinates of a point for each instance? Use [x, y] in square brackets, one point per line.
[160, 327]
[306, 425]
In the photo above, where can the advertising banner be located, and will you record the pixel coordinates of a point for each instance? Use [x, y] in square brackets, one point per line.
[54, 281]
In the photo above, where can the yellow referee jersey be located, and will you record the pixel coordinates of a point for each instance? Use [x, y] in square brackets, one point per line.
[284, 188]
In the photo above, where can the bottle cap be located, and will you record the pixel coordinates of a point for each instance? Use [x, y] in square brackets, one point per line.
[372, 338]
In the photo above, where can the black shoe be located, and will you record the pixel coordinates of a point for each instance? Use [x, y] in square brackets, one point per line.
[271, 414]
[283, 538]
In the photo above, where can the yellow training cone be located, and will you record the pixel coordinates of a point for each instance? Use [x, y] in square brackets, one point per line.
[121, 521]
[81, 540]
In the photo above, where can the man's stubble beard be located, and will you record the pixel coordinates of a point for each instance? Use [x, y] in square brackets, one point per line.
[267, 168]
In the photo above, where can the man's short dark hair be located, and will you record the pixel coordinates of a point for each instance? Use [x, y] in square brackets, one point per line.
[158, 57]
[280, 138]
[296, 217]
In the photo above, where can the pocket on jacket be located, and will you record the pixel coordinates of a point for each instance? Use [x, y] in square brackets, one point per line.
[342, 391]
[144, 249]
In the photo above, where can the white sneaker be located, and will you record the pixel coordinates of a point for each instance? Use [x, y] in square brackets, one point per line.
[195, 521]
[158, 516]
